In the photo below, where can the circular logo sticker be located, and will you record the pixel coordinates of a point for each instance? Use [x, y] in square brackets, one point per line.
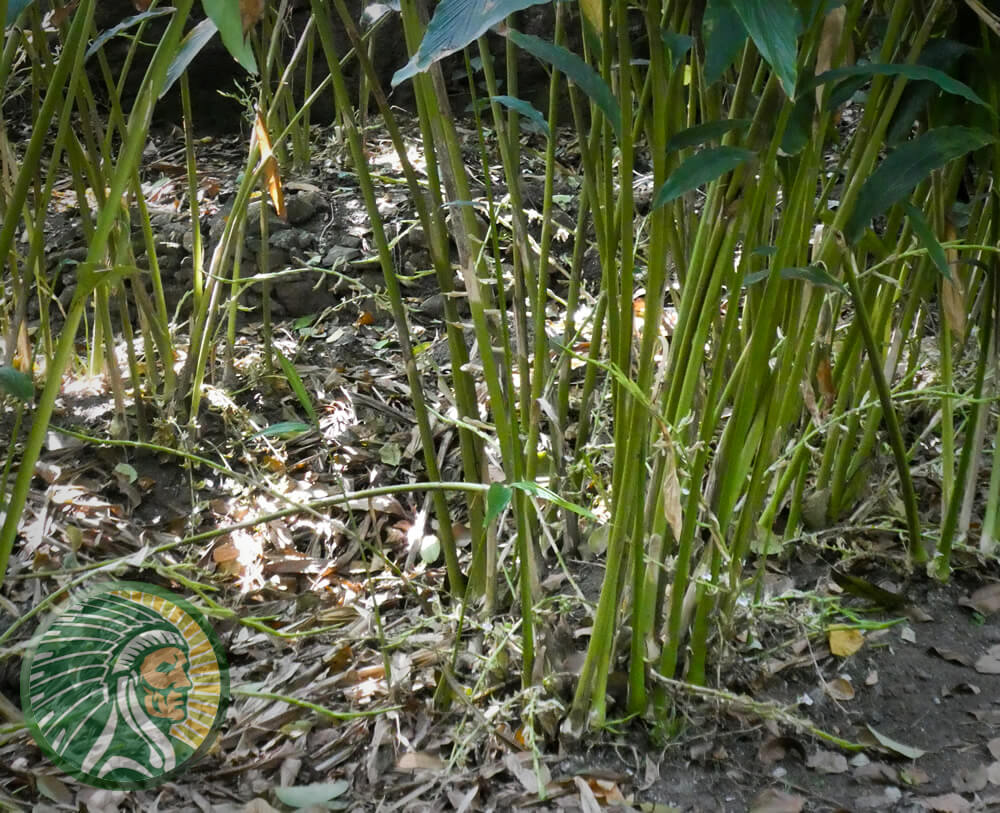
[126, 686]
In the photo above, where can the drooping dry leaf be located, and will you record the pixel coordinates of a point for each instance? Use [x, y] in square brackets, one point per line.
[672, 493]
[952, 293]
[830, 36]
[845, 641]
[772, 800]
[250, 13]
[270, 164]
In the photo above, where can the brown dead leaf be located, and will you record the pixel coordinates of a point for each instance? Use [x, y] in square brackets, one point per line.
[250, 13]
[845, 641]
[989, 664]
[414, 761]
[969, 780]
[950, 655]
[840, 689]
[947, 803]
[827, 762]
[985, 600]
[588, 801]
[877, 772]
[772, 800]
[914, 776]
[774, 749]
[272, 174]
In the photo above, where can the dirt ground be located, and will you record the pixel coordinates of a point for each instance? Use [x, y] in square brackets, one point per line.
[347, 610]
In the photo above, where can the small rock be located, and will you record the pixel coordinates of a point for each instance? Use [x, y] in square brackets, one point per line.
[340, 255]
[303, 207]
[274, 223]
[291, 239]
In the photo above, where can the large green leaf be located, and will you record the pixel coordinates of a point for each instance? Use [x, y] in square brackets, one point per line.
[226, 16]
[454, 25]
[700, 133]
[724, 37]
[774, 26]
[526, 109]
[925, 234]
[192, 43]
[907, 166]
[124, 25]
[699, 169]
[576, 70]
[14, 8]
[14, 382]
[922, 72]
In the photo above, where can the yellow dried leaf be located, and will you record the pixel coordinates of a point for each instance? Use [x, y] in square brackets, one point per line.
[845, 641]
[270, 163]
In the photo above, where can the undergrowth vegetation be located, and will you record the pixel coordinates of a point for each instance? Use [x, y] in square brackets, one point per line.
[794, 211]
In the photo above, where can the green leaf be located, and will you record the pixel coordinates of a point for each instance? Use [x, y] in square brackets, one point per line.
[455, 24]
[318, 794]
[14, 8]
[282, 429]
[575, 69]
[124, 25]
[700, 133]
[700, 168]
[724, 37]
[543, 493]
[678, 45]
[190, 46]
[925, 234]
[756, 276]
[908, 165]
[497, 498]
[815, 275]
[922, 72]
[908, 751]
[798, 130]
[226, 16]
[297, 386]
[15, 383]
[526, 109]
[774, 26]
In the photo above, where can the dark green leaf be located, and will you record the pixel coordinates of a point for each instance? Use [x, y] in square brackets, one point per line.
[14, 382]
[765, 251]
[815, 275]
[678, 45]
[455, 24]
[526, 109]
[297, 386]
[942, 80]
[14, 8]
[536, 490]
[700, 168]
[191, 45]
[756, 276]
[798, 130]
[907, 166]
[497, 498]
[124, 25]
[925, 234]
[709, 131]
[283, 429]
[774, 26]
[724, 37]
[575, 69]
[226, 16]
[942, 54]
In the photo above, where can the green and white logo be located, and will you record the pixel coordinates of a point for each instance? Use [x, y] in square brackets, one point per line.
[126, 686]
